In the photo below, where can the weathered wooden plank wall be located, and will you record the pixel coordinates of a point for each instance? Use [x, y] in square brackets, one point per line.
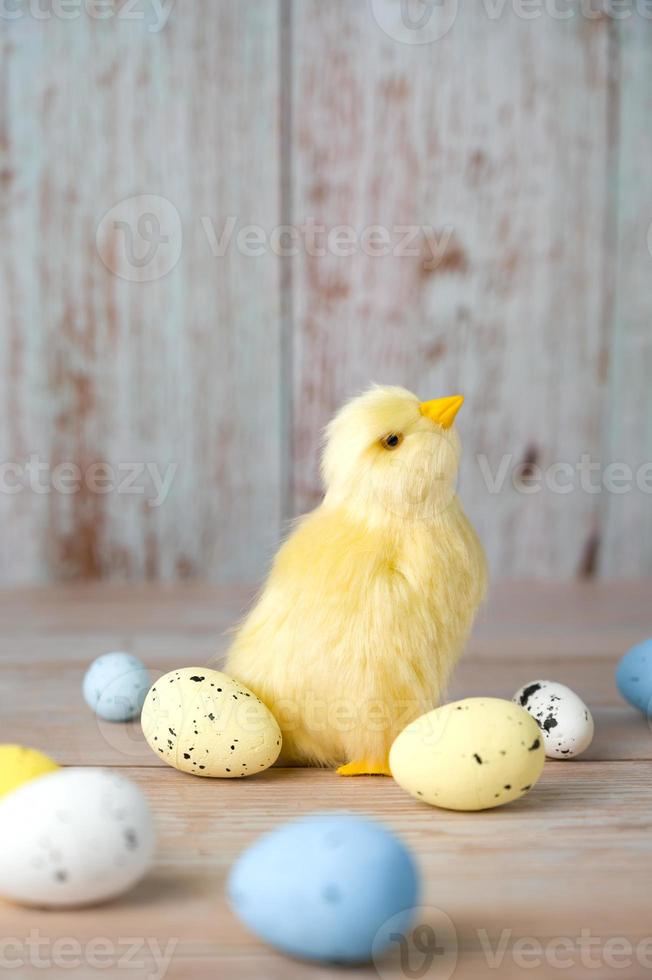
[496, 134]
[183, 370]
[518, 146]
[628, 403]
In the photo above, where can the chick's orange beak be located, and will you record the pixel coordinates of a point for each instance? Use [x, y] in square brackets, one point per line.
[442, 410]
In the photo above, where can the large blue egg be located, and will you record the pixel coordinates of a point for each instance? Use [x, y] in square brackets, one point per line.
[322, 887]
[634, 676]
[116, 685]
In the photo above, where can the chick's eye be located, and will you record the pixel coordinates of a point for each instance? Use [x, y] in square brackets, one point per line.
[392, 440]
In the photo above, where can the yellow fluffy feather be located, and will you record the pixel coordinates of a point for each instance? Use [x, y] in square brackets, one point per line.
[370, 600]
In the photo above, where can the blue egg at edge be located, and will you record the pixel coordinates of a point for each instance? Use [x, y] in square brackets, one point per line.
[634, 676]
[115, 686]
[322, 887]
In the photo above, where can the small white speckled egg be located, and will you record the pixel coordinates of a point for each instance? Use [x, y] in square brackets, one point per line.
[73, 838]
[115, 686]
[469, 755]
[564, 719]
[202, 722]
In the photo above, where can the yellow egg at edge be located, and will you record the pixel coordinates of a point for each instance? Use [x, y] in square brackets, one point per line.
[184, 723]
[20, 764]
[473, 754]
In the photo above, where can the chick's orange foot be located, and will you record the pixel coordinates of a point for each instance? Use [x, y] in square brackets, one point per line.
[365, 768]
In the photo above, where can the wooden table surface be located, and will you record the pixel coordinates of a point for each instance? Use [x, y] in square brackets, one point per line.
[568, 866]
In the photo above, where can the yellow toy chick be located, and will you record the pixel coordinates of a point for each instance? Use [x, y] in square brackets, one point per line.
[370, 600]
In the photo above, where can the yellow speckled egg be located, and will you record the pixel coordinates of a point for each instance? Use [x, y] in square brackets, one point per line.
[205, 723]
[19, 765]
[469, 755]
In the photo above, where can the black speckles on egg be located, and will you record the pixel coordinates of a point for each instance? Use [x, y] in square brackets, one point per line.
[524, 789]
[550, 722]
[507, 786]
[197, 679]
[477, 758]
[131, 839]
[535, 745]
[186, 755]
[528, 692]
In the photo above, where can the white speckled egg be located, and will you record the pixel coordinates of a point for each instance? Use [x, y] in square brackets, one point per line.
[469, 755]
[72, 838]
[115, 686]
[562, 716]
[205, 723]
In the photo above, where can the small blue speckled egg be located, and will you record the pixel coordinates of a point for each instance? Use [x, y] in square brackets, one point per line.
[116, 685]
[634, 676]
[322, 887]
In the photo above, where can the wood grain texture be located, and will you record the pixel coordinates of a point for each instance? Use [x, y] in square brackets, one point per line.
[180, 371]
[517, 145]
[628, 408]
[572, 856]
[495, 136]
